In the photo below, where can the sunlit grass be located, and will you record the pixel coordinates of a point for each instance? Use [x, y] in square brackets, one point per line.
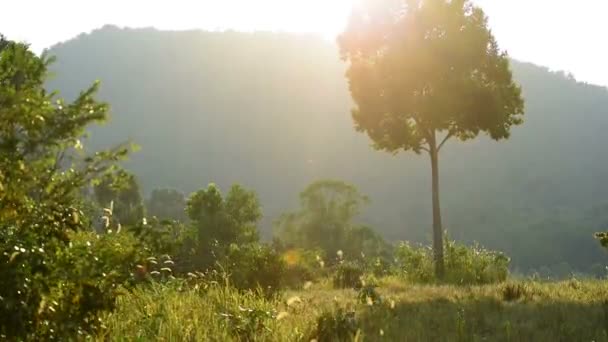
[568, 311]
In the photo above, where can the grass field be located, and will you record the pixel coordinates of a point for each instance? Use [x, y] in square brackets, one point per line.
[573, 310]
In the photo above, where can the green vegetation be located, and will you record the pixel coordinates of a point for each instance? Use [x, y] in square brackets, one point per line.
[85, 256]
[435, 74]
[568, 311]
[270, 111]
[464, 265]
[42, 175]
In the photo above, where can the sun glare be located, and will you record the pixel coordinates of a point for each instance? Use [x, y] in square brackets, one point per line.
[325, 17]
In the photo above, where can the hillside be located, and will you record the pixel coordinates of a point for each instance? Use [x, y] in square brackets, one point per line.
[271, 111]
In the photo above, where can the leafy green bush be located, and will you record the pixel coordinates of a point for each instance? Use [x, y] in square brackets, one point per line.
[254, 266]
[474, 265]
[90, 274]
[347, 275]
[463, 264]
[415, 263]
[43, 171]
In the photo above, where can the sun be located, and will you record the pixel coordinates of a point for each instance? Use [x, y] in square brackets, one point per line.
[332, 16]
[325, 17]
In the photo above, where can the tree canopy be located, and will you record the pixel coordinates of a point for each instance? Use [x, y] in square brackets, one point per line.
[326, 221]
[220, 221]
[423, 68]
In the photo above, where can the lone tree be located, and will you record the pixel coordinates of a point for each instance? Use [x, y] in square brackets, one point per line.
[422, 72]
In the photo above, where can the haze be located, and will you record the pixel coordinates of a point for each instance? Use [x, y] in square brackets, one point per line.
[546, 32]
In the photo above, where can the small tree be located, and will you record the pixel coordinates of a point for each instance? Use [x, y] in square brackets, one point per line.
[425, 71]
[221, 221]
[42, 174]
[325, 220]
[167, 204]
[122, 189]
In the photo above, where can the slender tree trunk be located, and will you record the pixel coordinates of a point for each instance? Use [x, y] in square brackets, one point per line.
[437, 227]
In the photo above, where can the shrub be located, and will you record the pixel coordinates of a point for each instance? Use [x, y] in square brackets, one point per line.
[87, 277]
[254, 266]
[302, 266]
[339, 326]
[347, 275]
[415, 263]
[42, 174]
[380, 267]
[463, 264]
[474, 265]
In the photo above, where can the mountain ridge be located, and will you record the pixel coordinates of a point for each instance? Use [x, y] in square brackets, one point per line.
[271, 111]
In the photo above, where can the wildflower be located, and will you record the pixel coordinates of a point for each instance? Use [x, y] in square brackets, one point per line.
[340, 254]
[282, 315]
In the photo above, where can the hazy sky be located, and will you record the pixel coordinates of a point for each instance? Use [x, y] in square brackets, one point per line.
[561, 34]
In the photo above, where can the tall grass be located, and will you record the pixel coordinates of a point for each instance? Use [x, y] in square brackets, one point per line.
[573, 310]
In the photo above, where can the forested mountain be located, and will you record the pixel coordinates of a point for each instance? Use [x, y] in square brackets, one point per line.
[271, 111]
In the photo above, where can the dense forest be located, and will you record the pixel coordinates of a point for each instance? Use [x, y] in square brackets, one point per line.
[271, 111]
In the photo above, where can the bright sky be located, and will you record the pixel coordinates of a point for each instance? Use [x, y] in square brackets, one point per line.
[561, 34]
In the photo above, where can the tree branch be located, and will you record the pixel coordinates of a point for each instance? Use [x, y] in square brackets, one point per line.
[447, 137]
[425, 149]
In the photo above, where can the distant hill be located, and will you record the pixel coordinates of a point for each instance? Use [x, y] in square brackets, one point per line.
[271, 111]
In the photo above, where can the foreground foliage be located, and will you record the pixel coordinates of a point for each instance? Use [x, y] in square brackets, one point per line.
[568, 311]
[42, 174]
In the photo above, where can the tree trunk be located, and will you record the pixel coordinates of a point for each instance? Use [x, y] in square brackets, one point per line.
[437, 227]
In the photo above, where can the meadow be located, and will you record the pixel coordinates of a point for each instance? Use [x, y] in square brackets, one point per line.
[522, 310]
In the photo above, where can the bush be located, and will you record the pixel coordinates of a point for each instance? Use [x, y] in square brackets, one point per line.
[474, 265]
[302, 266]
[87, 277]
[415, 263]
[254, 266]
[348, 275]
[463, 264]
